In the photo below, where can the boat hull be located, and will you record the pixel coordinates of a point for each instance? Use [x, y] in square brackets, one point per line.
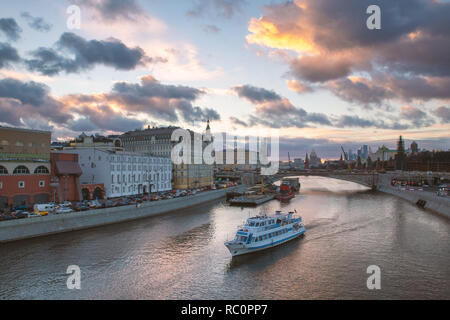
[285, 197]
[241, 249]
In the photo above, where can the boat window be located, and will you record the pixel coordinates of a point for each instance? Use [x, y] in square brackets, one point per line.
[260, 238]
[270, 235]
[243, 238]
[257, 224]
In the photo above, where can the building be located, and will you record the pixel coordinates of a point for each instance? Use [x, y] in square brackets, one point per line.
[314, 160]
[96, 141]
[24, 167]
[122, 173]
[383, 154]
[197, 173]
[240, 159]
[65, 178]
[414, 148]
[299, 164]
[154, 141]
[157, 142]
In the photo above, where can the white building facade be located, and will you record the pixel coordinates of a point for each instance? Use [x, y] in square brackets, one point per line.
[124, 173]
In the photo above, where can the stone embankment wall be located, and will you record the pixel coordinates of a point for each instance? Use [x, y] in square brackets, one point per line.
[425, 199]
[39, 226]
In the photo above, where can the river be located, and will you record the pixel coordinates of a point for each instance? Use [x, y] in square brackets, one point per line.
[181, 255]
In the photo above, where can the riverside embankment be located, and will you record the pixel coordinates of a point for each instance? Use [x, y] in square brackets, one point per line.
[425, 199]
[40, 226]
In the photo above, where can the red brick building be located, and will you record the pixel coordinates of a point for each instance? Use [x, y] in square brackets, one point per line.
[24, 167]
[65, 178]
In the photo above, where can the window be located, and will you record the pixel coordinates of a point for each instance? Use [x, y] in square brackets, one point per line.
[3, 170]
[21, 184]
[1, 185]
[5, 143]
[19, 144]
[41, 183]
[21, 170]
[41, 169]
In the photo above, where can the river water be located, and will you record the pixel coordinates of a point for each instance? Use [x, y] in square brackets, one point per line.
[181, 255]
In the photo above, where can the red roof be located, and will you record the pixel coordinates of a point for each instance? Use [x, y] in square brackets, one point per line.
[68, 167]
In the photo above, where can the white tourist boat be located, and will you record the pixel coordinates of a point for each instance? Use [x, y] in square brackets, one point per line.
[263, 232]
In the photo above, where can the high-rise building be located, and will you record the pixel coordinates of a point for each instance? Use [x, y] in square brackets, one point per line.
[414, 148]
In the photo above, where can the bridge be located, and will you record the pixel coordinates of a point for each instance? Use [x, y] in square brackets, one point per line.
[368, 179]
[372, 179]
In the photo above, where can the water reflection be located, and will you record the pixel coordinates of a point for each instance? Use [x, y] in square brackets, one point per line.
[181, 255]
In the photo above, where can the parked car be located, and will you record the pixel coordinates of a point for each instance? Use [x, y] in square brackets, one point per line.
[41, 213]
[63, 209]
[44, 207]
[80, 206]
[20, 214]
[95, 204]
[22, 207]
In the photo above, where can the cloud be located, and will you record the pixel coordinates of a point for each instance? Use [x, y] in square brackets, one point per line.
[328, 48]
[162, 102]
[443, 113]
[8, 54]
[85, 55]
[103, 118]
[22, 100]
[256, 95]
[192, 114]
[348, 121]
[26, 103]
[36, 23]
[275, 111]
[10, 28]
[216, 8]
[320, 68]
[418, 117]
[110, 10]
[297, 86]
[360, 90]
[210, 28]
[238, 122]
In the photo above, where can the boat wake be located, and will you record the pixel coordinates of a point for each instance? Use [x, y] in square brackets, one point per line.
[338, 229]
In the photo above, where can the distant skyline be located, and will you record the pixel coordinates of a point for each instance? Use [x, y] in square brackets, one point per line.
[308, 68]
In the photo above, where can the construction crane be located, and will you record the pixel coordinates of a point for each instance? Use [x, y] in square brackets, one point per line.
[289, 157]
[349, 168]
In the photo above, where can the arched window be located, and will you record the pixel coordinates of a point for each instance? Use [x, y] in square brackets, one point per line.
[42, 170]
[21, 170]
[3, 170]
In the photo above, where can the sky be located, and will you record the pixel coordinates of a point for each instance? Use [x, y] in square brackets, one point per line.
[310, 71]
